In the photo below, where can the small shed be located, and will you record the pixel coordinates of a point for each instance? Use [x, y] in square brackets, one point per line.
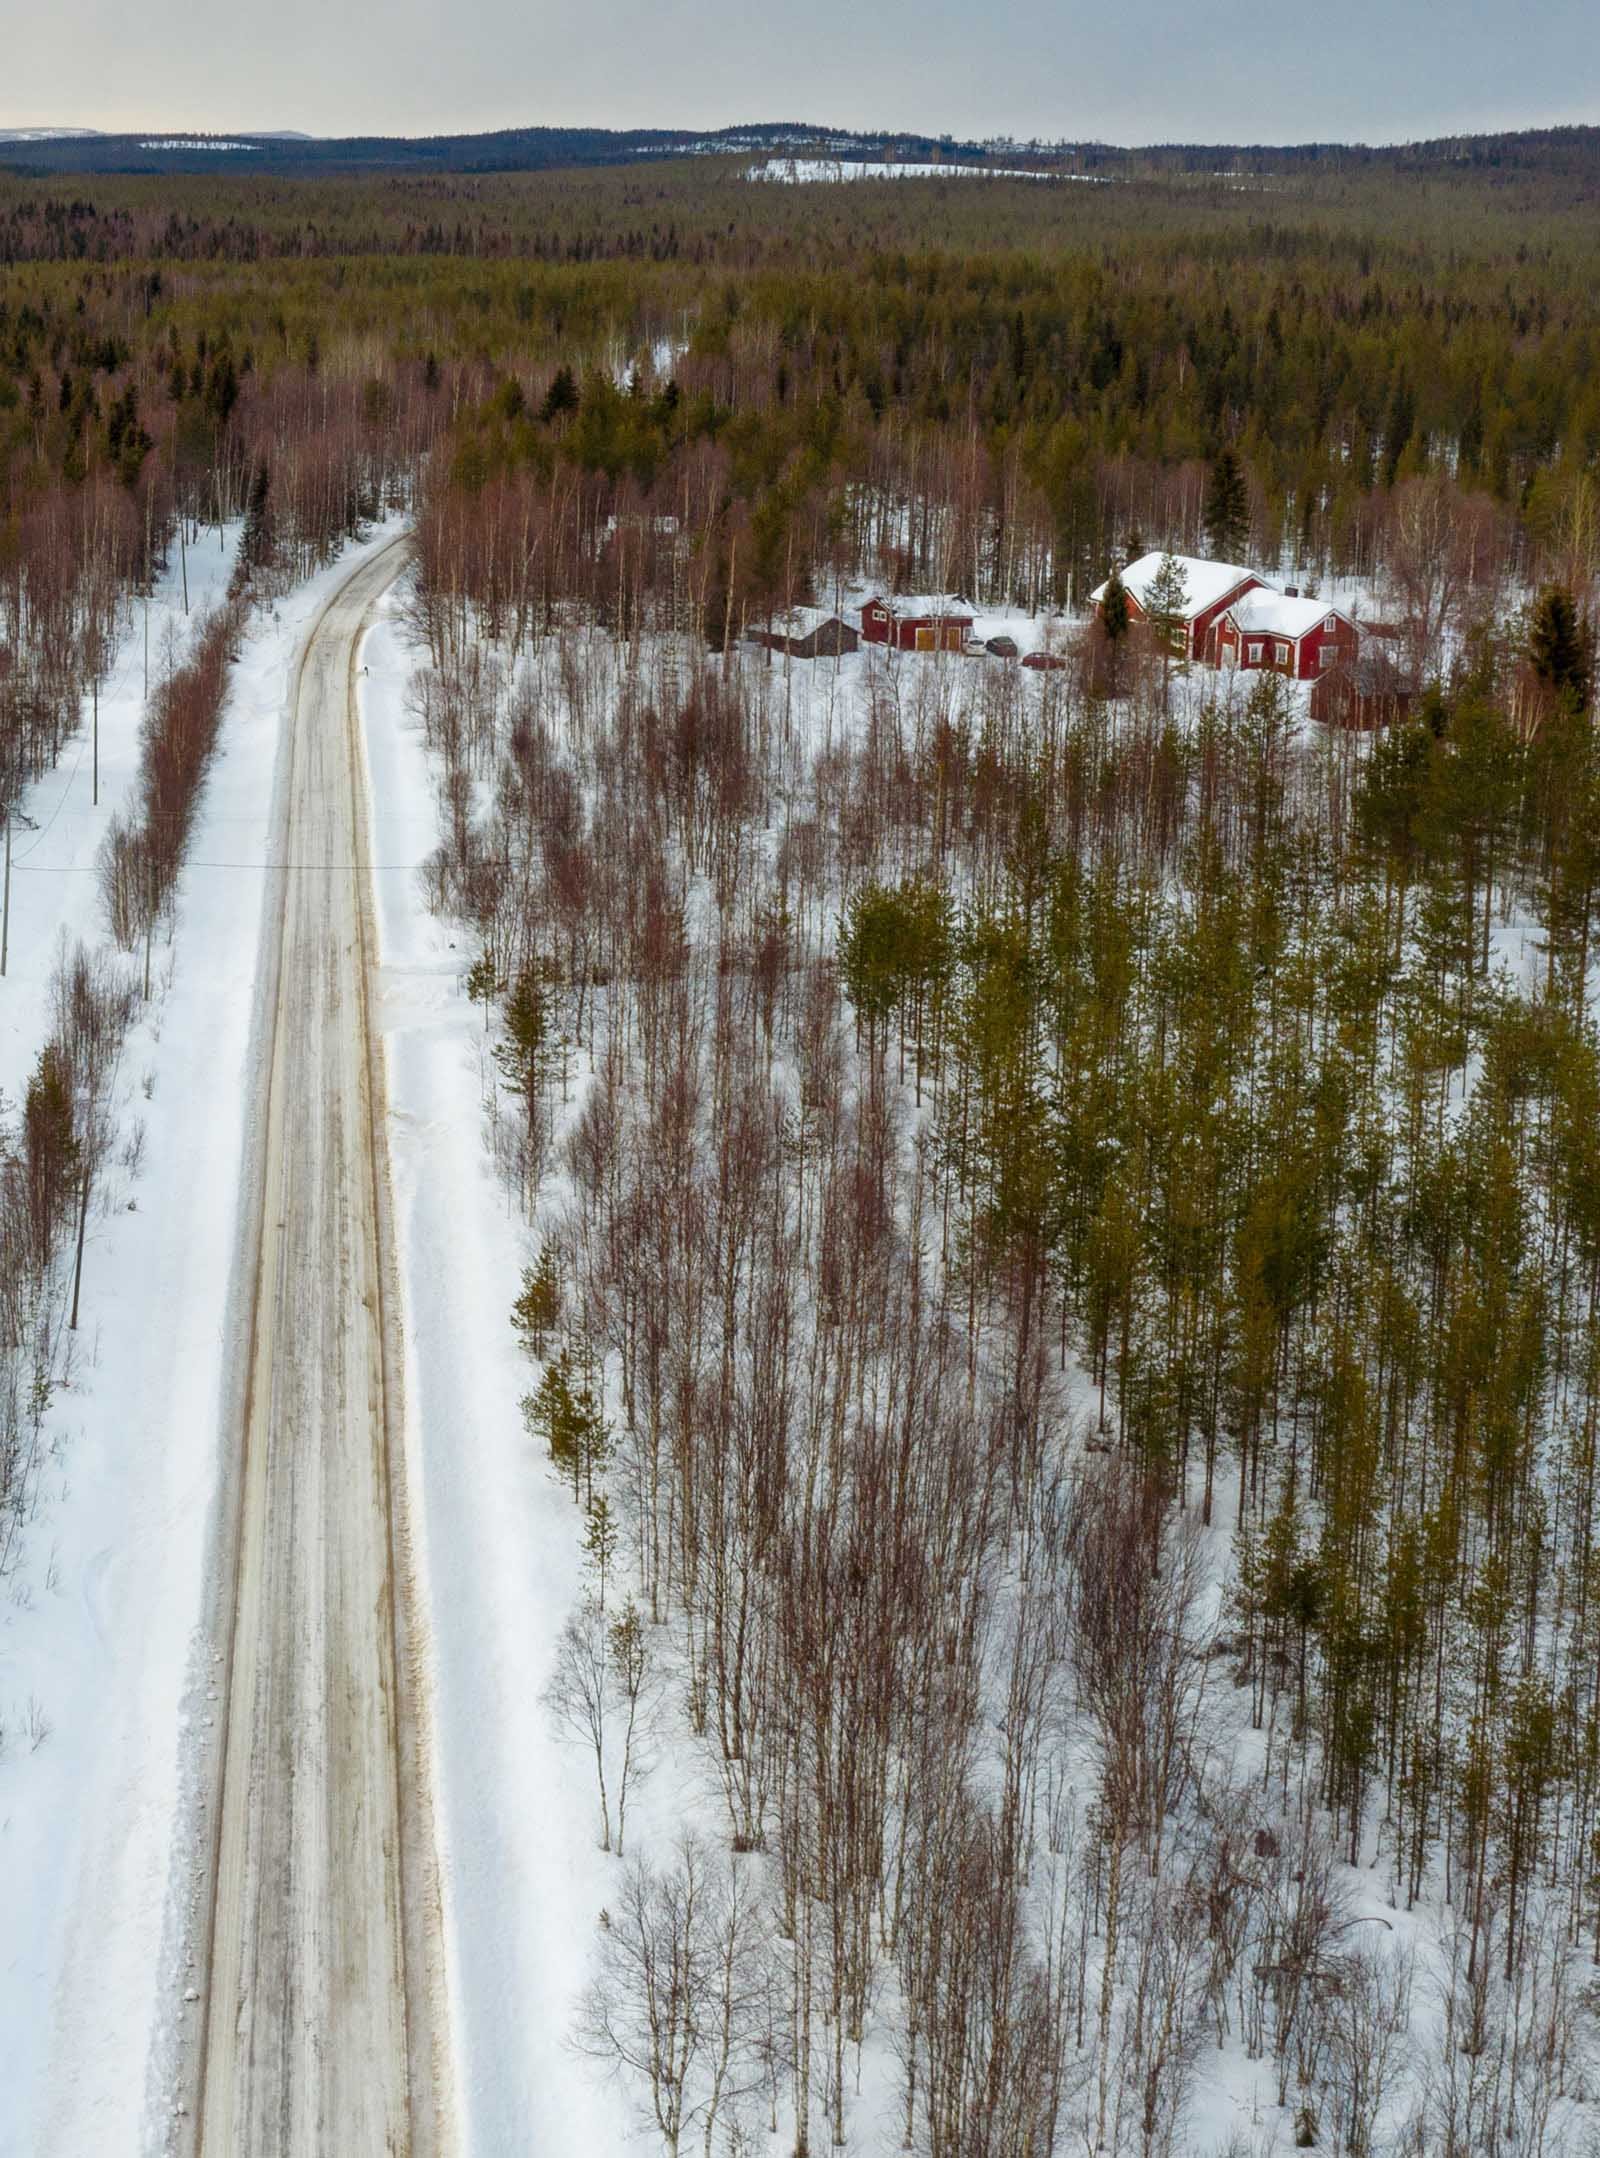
[1363, 693]
[826, 638]
[923, 624]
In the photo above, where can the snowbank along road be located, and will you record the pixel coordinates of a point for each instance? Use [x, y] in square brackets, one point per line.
[320, 2009]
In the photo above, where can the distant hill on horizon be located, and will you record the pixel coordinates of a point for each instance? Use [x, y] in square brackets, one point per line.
[287, 153]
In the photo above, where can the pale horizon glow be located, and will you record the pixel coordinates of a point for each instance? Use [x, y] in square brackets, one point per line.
[1379, 71]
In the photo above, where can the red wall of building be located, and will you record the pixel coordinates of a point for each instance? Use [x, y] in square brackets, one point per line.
[1341, 640]
[1204, 624]
[1305, 659]
[949, 631]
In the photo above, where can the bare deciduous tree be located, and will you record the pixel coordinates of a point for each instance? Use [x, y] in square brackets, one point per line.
[678, 2002]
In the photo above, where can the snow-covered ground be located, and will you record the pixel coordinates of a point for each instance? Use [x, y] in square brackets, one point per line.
[104, 1625]
[103, 1645]
[499, 1557]
[496, 1544]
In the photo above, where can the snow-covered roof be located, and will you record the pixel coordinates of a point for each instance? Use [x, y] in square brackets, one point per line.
[796, 621]
[1205, 582]
[1272, 614]
[904, 605]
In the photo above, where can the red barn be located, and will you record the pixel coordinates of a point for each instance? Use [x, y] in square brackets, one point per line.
[1301, 638]
[917, 625]
[1210, 588]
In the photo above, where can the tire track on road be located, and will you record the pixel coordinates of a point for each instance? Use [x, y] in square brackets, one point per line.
[322, 2025]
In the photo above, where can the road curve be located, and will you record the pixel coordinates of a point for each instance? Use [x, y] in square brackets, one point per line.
[320, 2026]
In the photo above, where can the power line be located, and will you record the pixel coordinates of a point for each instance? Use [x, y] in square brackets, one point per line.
[343, 869]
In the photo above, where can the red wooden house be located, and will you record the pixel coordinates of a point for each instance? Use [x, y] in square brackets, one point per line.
[917, 625]
[1301, 638]
[1210, 588]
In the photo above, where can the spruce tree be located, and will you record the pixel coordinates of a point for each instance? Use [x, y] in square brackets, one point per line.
[524, 1053]
[537, 1310]
[256, 541]
[1227, 511]
[1114, 609]
[1166, 601]
[562, 395]
[1560, 647]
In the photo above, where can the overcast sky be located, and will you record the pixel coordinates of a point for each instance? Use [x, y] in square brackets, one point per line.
[1166, 70]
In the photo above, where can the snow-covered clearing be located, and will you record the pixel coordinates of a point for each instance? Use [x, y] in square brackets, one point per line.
[103, 1641]
[798, 170]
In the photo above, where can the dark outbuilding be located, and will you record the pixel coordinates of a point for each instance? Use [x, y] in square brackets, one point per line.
[828, 639]
[1363, 693]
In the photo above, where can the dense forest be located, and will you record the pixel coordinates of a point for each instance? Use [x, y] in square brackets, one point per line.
[1063, 1212]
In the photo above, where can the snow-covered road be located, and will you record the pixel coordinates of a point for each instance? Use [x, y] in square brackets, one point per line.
[319, 2024]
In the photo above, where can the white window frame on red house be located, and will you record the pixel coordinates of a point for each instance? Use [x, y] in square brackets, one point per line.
[1280, 652]
[1253, 649]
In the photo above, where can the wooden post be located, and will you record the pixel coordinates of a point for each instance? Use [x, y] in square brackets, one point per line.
[77, 1271]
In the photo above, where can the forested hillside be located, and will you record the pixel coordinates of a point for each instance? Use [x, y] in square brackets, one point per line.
[1062, 1207]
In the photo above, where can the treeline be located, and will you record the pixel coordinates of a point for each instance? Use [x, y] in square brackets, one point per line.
[53, 1146]
[931, 387]
[117, 460]
[143, 849]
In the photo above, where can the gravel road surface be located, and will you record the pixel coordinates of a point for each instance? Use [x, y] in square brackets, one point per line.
[321, 2028]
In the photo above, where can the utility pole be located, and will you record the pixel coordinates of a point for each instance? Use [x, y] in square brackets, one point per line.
[95, 685]
[149, 576]
[183, 522]
[149, 928]
[77, 1272]
[5, 912]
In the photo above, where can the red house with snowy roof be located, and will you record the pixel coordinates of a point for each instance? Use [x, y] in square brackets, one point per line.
[1211, 588]
[1233, 618]
[1301, 638]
